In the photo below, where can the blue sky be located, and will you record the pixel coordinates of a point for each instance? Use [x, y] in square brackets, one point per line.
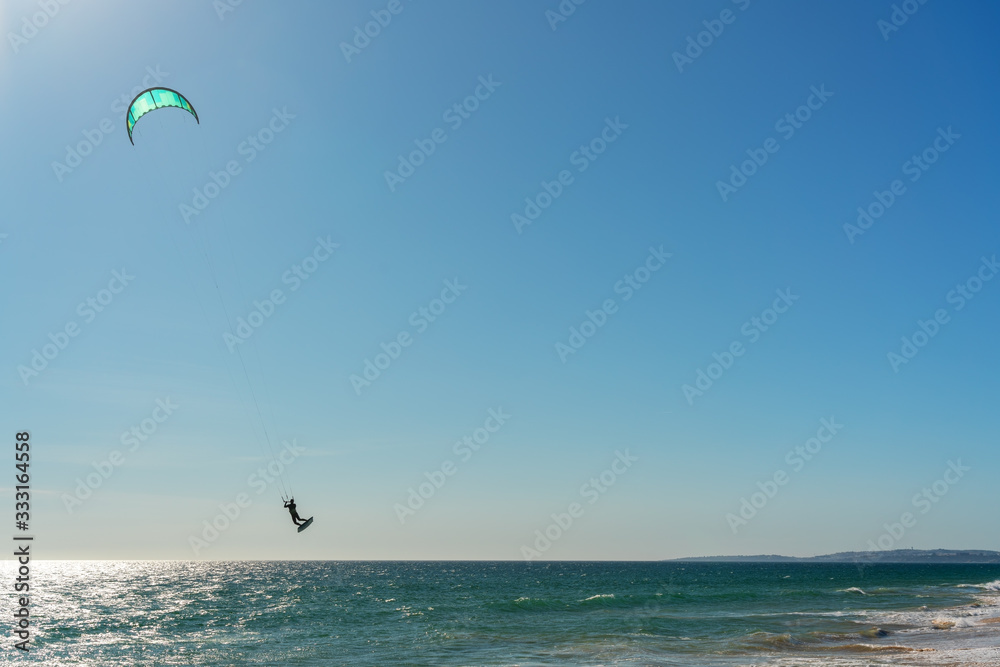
[344, 122]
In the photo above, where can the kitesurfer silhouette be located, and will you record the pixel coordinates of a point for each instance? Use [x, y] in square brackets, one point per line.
[296, 519]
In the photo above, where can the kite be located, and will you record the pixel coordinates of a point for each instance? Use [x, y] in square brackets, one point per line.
[152, 99]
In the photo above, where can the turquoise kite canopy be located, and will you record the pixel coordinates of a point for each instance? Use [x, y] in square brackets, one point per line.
[152, 99]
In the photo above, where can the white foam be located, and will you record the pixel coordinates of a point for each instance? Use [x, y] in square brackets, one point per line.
[989, 586]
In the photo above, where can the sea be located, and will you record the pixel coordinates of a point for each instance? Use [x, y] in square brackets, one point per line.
[690, 614]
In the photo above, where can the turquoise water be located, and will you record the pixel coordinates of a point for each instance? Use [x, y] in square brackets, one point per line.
[511, 613]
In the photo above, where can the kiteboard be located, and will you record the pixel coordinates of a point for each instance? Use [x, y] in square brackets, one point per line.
[306, 524]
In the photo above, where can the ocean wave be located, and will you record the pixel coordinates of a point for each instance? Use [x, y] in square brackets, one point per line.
[529, 604]
[989, 586]
[638, 604]
[852, 589]
[874, 633]
[949, 622]
[930, 620]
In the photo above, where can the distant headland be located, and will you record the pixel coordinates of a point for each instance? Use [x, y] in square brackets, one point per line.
[893, 556]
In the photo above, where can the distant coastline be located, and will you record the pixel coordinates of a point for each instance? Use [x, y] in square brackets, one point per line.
[954, 556]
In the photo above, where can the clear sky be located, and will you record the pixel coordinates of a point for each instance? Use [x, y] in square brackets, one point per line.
[310, 122]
